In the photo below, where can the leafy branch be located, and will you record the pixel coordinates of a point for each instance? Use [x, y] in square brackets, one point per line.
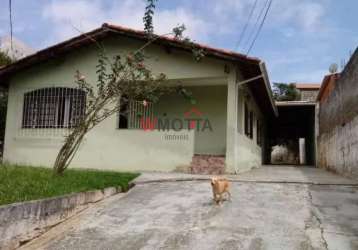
[120, 80]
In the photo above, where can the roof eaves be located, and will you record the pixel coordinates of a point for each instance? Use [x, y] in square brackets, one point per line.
[52, 50]
[105, 29]
[268, 87]
[222, 53]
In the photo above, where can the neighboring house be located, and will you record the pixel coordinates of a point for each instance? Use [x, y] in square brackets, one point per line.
[232, 92]
[17, 49]
[338, 120]
[308, 91]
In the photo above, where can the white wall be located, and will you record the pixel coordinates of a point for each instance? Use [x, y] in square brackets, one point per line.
[242, 152]
[106, 147]
[211, 102]
[249, 153]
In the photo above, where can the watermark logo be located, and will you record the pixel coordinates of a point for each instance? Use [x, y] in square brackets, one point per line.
[193, 112]
[148, 124]
[193, 119]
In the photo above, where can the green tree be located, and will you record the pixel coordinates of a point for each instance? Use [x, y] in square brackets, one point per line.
[4, 60]
[148, 17]
[120, 80]
[285, 92]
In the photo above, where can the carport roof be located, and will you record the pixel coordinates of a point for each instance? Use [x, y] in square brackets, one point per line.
[295, 103]
[250, 66]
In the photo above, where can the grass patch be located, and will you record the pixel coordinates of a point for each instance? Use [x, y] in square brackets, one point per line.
[18, 183]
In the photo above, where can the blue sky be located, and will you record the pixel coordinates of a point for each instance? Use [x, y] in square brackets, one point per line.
[298, 42]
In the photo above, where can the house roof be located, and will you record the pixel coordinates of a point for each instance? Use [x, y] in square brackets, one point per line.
[107, 29]
[308, 86]
[250, 66]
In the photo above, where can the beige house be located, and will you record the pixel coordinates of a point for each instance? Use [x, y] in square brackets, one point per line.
[232, 91]
[308, 91]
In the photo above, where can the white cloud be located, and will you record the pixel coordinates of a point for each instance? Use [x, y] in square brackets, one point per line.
[293, 23]
[309, 75]
[305, 15]
[196, 28]
[302, 14]
[204, 20]
[65, 15]
[309, 15]
[224, 7]
[85, 15]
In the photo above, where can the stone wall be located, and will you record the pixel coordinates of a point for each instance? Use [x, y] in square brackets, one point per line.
[207, 164]
[338, 124]
[308, 95]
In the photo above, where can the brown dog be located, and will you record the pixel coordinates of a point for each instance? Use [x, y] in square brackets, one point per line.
[220, 186]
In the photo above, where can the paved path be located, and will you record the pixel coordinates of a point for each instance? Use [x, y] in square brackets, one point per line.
[181, 215]
[281, 174]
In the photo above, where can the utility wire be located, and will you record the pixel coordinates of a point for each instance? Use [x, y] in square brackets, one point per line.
[261, 25]
[10, 18]
[258, 18]
[242, 34]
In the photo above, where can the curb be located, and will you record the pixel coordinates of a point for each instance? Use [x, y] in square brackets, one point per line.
[24, 221]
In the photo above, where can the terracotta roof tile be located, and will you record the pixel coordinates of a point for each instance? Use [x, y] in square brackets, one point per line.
[172, 39]
[308, 85]
[106, 29]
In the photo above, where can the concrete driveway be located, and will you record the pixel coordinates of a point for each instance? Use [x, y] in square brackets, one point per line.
[264, 174]
[181, 215]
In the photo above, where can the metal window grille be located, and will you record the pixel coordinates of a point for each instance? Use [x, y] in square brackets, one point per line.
[139, 113]
[55, 107]
[135, 115]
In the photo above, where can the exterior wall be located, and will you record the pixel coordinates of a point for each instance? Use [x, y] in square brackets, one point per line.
[211, 102]
[106, 147]
[329, 87]
[242, 153]
[308, 95]
[249, 153]
[338, 124]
